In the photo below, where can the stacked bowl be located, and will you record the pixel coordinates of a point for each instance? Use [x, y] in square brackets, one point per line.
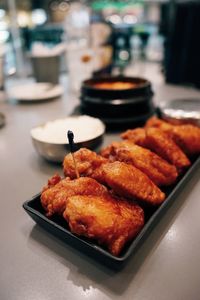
[118, 100]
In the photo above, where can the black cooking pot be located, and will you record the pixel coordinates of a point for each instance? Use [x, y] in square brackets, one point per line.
[123, 104]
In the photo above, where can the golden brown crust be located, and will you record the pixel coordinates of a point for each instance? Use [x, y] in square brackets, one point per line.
[104, 173]
[159, 141]
[158, 123]
[137, 136]
[129, 182]
[158, 170]
[86, 160]
[164, 146]
[187, 137]
[54, 197]
[110, 221]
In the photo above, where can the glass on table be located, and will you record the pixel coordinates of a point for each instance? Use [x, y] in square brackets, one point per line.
[80, 64]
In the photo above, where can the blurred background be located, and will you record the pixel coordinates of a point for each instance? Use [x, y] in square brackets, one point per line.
[101, 37]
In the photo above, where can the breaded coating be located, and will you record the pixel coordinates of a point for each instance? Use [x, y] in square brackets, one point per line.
[86, 160]
[110, 221]
[137, 136]
[109, 151]
[129, 182]
[141, 185]
[187, 137]
[158, 170]
[158, 123]
[54, 196]
[166, 148]
[159, 142]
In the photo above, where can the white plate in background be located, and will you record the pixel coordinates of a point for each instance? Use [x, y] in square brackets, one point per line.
[36, 91]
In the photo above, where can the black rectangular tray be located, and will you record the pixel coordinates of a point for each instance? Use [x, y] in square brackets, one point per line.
[58, 226]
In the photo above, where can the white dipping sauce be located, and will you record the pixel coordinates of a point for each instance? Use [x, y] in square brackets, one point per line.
[84, 128]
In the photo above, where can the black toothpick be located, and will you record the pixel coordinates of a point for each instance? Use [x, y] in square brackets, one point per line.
[70, 137]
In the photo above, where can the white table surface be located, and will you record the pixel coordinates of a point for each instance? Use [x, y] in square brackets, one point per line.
[34, 265]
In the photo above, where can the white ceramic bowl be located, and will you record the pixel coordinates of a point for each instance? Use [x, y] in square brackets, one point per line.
[50, 139]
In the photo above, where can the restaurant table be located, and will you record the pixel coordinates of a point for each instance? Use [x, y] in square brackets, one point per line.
[35, 265]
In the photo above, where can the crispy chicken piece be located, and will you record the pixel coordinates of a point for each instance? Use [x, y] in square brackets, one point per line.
[158, 123]
[87, 161]
[187, 137]
[165, 147]
[158, 170]
[159, 142]
[137, 136]
[112, 222]
[123, 178]
[54, 196]
[129, 182]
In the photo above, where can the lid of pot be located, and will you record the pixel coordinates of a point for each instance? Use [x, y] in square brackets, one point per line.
[180, 111]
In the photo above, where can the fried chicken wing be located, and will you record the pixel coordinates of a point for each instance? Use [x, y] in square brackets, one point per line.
[157, 169]
[187, 137]
[112, 222]
[87, 161]
[158, 123]
[165, 147]
[54, 196]
[140, 185]
[129, 182]
[137, 136]
[159, 142]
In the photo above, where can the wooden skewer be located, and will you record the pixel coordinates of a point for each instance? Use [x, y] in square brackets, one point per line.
[70, 137]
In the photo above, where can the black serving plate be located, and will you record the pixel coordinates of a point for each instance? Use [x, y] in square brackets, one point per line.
[58, 226]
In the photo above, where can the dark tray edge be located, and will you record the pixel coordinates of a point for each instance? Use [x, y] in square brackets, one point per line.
[162, 209]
